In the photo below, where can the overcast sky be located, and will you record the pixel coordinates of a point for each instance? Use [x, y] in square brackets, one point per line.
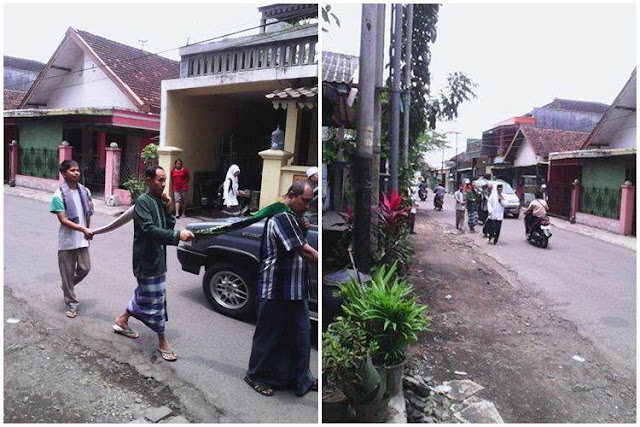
[521, 56]
[35, 31]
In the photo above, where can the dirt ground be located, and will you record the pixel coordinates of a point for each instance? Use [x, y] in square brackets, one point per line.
[508, 338]
[52, 376]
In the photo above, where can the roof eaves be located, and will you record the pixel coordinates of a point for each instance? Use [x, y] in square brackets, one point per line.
[135, 99]
[609, 111]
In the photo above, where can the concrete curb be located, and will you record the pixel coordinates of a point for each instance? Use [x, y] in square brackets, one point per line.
[628, 242]
[44, 196]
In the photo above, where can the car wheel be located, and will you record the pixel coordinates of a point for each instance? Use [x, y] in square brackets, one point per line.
[229, 289]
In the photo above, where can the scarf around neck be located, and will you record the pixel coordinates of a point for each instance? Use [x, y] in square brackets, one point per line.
[70, 206]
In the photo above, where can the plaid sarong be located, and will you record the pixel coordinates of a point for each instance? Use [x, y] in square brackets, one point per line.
[472, 218]
[149, 303]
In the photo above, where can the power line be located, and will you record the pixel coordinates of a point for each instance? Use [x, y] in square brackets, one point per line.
[149, 54]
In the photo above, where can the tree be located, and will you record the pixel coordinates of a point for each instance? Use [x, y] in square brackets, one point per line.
[426, 109]
[326, 17]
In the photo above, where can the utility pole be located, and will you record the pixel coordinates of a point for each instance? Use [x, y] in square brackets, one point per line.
[395, 97]
[364, 152]
[456, 133]
[442, 168]
[377, 122]
[407, 85]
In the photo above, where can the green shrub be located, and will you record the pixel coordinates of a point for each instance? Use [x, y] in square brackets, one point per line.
[389, 313]
[136, 187]
[149, 153]
[346, 364]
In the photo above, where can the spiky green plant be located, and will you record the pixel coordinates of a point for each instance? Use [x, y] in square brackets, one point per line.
[389, 313]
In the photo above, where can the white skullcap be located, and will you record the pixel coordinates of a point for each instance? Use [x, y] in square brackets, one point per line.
[311, 171]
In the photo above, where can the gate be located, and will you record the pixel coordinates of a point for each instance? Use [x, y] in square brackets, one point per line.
[39, 162]
[559, 199]
[92, 173]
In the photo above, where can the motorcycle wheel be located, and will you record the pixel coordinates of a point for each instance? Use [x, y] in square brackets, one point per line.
[544, 241]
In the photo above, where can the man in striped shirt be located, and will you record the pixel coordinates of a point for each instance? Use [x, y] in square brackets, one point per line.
[282, 339]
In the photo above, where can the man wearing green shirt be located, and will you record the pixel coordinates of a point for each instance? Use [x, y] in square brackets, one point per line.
[153, 226]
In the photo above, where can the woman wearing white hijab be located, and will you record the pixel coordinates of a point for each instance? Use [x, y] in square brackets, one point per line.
[230, 191]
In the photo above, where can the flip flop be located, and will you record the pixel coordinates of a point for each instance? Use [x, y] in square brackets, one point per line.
[128, 332]
[259, 388]
[168, 355]
[71, 313]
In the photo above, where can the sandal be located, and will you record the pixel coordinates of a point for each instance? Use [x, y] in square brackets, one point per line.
[262, 389]
[168, 355]
[127, 332]
[71, 313]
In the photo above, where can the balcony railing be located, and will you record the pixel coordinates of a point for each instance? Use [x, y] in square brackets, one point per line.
[281, 54]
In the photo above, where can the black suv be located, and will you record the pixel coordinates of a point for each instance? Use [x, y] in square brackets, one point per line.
[231, 263]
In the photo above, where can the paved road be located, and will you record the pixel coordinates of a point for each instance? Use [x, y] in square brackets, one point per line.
[214, 350]
[593, 283]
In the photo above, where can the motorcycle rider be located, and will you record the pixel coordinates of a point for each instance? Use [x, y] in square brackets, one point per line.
[422, 189]
[537, 210]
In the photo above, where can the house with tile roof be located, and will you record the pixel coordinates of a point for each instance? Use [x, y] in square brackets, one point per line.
[92, 92]
[518, 148]
[604, 165]
[233, 94]
[19, 74]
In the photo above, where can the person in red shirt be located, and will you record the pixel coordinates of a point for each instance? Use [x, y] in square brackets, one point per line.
[180, 179]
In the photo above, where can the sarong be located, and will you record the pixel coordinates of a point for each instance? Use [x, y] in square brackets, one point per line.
[282, 346]
[149, 303]
[472, 219]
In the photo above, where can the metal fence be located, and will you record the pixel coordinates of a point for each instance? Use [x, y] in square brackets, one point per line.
[92, 172]
[603, 202]
[39, 162]
[128, 170]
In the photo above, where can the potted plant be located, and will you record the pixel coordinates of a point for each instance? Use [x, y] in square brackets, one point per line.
[387, 310]
[150, 154]
[393, 232]
[349, 375]
[136, 187]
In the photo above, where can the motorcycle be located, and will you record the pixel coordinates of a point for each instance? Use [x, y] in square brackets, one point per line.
[422, 193]
[540, 232]
[437, 203]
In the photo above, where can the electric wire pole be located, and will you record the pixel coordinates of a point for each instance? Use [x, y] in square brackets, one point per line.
[365, 128]
[407, 83]
[395, 97]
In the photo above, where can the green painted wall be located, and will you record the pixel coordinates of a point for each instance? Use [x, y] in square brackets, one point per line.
[603, 173]
[40, 133]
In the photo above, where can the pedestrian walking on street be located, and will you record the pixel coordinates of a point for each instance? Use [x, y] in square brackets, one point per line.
[73, 206]
[180, 182]
[484, 208]
[415, 198]
[153, 229]
[461, 201]
[473, 201]
[497, 204]
[281, 346]
[231, 191]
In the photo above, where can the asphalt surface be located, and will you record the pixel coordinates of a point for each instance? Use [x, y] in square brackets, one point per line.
[591, 282]
[213, 350]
